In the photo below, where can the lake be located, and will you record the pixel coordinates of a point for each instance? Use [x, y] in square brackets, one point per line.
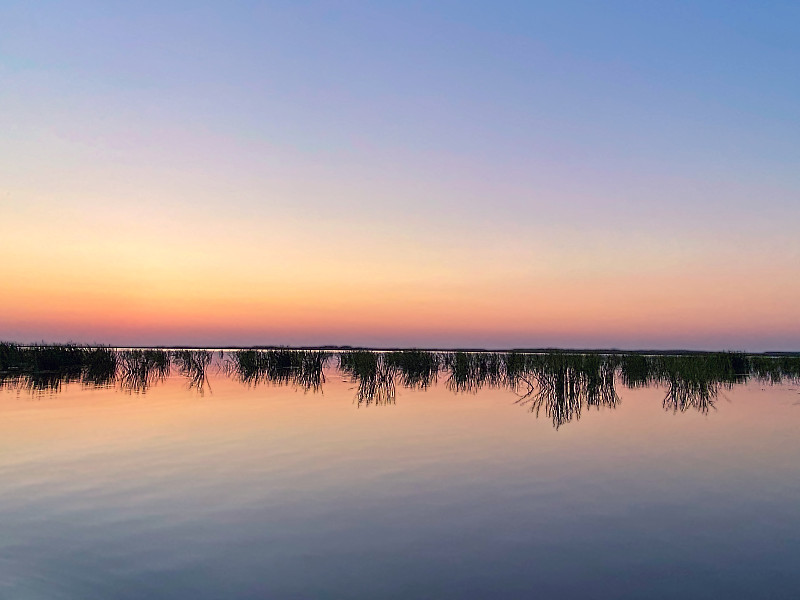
[208, 475]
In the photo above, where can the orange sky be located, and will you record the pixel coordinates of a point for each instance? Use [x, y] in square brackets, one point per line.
[124, 279]
[400, 176]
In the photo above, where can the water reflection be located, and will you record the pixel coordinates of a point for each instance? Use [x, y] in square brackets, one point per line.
[470, 371]
[192, 364]
[40, 369]
[563, 384]
[417, 369]
[100, 367]
[373, 374]
[301, 368]
[558, 385]
[141, 369]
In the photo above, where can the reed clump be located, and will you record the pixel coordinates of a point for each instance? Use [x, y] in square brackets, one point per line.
[193, 365]
[304, 368]
[775, 369]
[372, 373]
[45, 367]
[417, 368]
[561, 384]
[141, 369]
[470, 371]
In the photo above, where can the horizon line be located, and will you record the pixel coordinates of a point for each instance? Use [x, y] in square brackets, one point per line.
[346, 347]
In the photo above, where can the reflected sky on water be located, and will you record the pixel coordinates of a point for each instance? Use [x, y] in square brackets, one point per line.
[400, 476]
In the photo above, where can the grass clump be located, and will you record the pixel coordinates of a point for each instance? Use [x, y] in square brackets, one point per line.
[304, 368]
[141, 369]
[45, 367]
[372, 373]
[417, 368]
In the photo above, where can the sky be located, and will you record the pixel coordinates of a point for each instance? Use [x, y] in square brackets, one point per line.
[439, 174]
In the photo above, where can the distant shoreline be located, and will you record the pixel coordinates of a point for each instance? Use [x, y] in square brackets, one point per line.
[346, 348]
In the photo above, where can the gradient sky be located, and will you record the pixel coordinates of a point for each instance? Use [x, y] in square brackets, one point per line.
[495, 174]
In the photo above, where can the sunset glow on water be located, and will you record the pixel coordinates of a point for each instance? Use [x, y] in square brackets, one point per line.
[262, 489]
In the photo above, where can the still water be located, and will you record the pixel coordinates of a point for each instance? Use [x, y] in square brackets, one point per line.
[228, 486]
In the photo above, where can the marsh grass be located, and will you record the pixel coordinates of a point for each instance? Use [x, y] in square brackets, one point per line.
[50, 358]
[470, 371]
[11, 357]
[100, 367]
[373, 375]
[193, 364]
[775, 369]
[417, 369]
[559, 384]
[636, 370]
[694, 382]
[141, 369]
[302, 368]
[46, 367]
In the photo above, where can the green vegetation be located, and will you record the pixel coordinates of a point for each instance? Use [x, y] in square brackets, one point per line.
[470, 371]
[193, 364]
[303, 368]
[417, 368]
[373, 374]
[140, 369]
[46, 367]
[774, 369]
[557, 383]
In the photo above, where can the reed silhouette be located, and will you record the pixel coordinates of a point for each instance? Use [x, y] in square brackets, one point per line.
[470, 371]
[46, 367]
[302, 368]
[372, 373]
[560, 385]
[775, 369]
[193, 364]
[141, 369]
[100, 367]
[692, 381]
[417, 368]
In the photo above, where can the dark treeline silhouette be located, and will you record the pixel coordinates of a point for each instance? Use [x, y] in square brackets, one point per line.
[559, 385]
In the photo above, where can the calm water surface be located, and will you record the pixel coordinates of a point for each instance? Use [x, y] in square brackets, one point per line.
[277, 491]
